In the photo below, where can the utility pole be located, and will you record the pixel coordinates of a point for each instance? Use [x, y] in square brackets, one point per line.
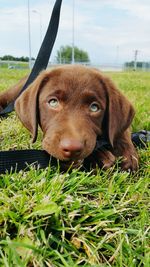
[73, 56]
[29, 35]
[40, 18]
[135, 59]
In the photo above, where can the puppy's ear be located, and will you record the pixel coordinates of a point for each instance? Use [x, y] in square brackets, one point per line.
[26, 105]
[119, 111]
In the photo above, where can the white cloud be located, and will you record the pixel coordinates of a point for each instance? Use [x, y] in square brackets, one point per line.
[137, 8]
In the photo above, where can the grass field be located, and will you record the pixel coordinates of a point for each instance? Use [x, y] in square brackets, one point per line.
[76, 219]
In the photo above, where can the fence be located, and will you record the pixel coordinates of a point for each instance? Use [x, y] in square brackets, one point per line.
[103, 67]
[13, 64]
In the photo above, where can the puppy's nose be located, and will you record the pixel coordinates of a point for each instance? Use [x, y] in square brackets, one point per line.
[71, 148]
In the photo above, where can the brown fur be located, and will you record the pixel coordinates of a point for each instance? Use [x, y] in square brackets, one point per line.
[9, 95]
[70, 128]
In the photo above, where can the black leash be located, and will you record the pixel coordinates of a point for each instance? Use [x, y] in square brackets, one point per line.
[11, 161]
[44, 52]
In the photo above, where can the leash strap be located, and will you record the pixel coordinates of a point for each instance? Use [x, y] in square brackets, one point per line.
[14, 161]
[11, 161]
[141, 139]
[44, 52]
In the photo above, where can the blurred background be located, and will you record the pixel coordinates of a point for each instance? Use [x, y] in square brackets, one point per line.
[111, 35]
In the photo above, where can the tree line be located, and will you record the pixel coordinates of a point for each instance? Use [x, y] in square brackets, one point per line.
[12, 58]
[63, 55]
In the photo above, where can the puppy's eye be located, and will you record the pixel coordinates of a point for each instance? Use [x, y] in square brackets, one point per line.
[53, 102]
[94, 107]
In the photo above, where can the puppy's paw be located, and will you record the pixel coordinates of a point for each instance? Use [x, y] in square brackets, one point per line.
[130, 163]
[105, 159]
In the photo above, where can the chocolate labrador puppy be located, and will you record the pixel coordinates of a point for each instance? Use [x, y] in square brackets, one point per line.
[75, 105]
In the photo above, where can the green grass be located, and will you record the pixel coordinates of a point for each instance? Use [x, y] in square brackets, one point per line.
[14, 65]
[76, 219]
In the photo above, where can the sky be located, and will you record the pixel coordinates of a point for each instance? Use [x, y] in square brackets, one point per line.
[109, 30]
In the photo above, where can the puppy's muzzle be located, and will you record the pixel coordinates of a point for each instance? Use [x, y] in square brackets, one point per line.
[71, 148]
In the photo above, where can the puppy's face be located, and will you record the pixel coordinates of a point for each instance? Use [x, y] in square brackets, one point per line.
[73, 106]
